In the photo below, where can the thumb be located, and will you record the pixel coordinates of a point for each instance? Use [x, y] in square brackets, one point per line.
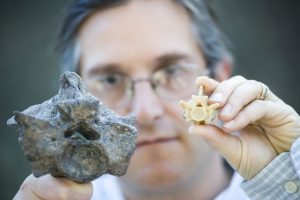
[49, 187]
[227, 145]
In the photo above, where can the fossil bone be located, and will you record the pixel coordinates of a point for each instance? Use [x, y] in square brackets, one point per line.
[74, 135]
[197, 110]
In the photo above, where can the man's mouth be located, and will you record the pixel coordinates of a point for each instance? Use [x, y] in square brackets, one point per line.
[156, 141]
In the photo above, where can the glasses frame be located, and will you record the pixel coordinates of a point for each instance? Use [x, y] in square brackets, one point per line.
[130, 89]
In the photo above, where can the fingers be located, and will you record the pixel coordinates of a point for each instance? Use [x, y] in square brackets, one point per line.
[238, 149]
[225, 144]
[241, 95]
[50, 188]
[223, 91]
[237, 97]
[261, 124]
[212, 135]
[25, 192]
[208, 83]
[248, 115]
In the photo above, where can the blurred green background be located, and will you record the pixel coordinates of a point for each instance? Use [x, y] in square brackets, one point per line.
[262, 34]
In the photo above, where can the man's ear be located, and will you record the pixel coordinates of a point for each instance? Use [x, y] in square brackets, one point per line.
[223, 69]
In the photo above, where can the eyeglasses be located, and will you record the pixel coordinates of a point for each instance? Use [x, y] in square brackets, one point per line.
[173, 82]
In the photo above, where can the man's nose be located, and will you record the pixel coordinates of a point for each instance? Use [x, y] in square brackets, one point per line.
[147, 106]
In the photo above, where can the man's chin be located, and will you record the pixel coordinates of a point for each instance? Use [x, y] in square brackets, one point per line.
[158, 164]
[158, 175]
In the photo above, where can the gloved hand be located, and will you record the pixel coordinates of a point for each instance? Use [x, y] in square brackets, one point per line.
[257, 124]
[51, 188]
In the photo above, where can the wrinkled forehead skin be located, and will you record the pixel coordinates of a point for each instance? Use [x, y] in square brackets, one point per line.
[74, 135]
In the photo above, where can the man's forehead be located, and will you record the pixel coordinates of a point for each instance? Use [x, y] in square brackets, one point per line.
[140, 7]
[139, 32]
[137, 13]
[161, 61]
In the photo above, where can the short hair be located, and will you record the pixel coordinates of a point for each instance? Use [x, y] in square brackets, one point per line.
[207, 34]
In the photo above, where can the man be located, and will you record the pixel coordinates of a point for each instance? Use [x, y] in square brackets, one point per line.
[143, 57]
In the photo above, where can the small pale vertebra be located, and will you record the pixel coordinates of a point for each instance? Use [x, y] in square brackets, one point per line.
[197, 110]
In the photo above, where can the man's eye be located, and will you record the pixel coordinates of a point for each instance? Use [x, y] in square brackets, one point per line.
[173, 70]
[111, 79]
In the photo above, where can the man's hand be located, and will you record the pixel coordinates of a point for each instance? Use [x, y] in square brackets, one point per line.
[48, 187]
[254, 131]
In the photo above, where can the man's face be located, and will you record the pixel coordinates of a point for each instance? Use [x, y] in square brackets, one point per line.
[133, 39]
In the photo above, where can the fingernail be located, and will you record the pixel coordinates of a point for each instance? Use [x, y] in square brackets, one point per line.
[226, 110]
[217, 97]
[228, 124]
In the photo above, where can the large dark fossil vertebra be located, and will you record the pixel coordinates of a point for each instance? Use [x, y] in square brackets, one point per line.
[74, 135]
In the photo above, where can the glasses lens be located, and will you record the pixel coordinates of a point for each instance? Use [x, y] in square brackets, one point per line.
[176, 81]
[110, 88]
[173, 82]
